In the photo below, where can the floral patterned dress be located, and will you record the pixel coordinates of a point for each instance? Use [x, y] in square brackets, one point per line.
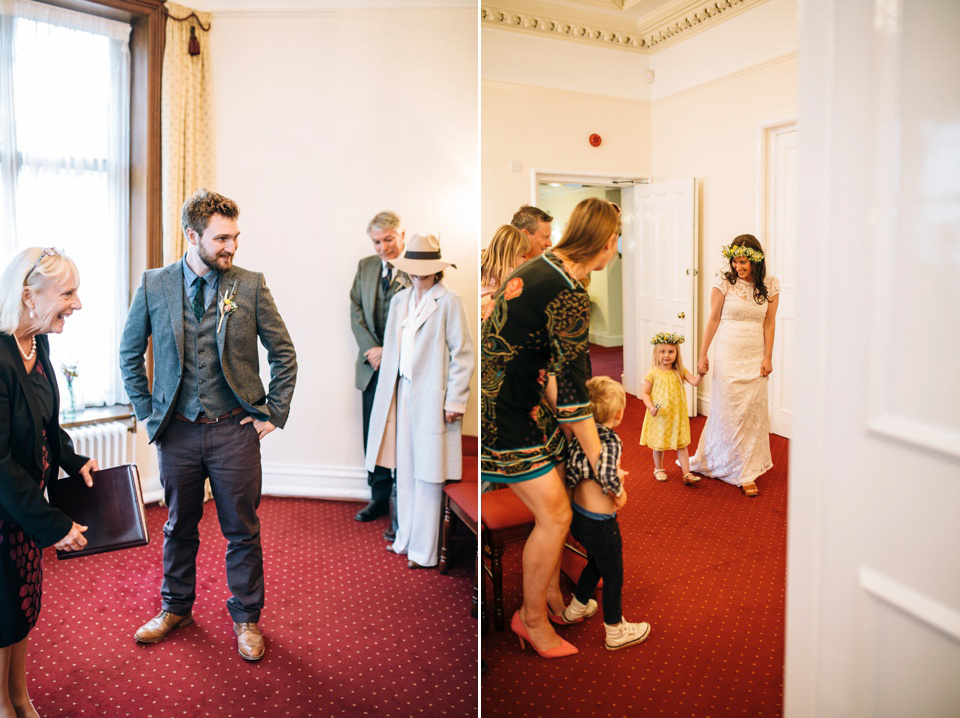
[21, 560]
[536, 325]
[735, 443]
[670, 428]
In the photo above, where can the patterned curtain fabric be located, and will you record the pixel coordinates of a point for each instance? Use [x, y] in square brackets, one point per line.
[185, 107]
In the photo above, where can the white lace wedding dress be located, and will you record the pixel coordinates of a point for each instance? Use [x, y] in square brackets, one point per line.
[735, 443]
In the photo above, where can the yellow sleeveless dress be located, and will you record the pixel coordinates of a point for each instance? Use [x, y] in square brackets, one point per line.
[670, 428]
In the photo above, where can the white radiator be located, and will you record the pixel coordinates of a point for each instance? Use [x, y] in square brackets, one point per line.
[110, 442]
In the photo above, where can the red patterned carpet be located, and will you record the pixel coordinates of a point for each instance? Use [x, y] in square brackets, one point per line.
[706, 566]
[350, 630]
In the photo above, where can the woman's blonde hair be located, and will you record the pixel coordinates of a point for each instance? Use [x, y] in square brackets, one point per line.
[503, 253]
[590, 226]
[607, 397]
[677, 363]
[37, 269]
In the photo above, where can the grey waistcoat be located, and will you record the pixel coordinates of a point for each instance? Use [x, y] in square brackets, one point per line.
[202, 385]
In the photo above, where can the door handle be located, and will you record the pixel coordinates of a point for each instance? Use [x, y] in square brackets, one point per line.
[680, 315]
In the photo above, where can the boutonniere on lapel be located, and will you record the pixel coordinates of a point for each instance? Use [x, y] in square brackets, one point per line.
[227, 305]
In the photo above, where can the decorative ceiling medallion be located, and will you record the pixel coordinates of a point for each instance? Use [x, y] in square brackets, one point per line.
[513, 20]
[676, 21]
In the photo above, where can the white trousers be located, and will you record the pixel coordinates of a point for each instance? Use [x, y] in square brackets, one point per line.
[419, 503]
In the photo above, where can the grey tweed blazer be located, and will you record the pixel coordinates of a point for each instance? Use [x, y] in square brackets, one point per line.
[157, 311]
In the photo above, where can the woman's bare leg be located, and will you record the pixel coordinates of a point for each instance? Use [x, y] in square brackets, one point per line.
[17, 681]
[547, 500]
[14, 699]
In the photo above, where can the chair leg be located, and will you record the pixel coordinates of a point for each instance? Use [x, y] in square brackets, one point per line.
[447, 525]
[496, 575]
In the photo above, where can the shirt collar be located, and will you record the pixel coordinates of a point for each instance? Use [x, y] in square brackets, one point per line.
[190, 276]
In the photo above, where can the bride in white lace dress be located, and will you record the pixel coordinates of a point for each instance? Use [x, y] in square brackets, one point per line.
[735, 443]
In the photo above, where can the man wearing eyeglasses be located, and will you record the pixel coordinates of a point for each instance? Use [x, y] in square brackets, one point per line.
[208, 410]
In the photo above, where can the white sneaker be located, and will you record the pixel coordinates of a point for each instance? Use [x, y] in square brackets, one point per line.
[576, 611]
[626, 634]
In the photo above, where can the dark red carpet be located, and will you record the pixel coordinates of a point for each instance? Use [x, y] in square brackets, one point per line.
[607, 361]
[350, 630]
[706, 566]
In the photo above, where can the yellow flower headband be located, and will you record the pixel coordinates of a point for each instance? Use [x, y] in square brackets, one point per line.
[667, 338]
[754, 255]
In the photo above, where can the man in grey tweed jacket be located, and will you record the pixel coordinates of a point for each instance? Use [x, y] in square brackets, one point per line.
[208, 410]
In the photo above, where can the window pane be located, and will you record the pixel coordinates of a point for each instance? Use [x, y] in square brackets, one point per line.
[66, 184]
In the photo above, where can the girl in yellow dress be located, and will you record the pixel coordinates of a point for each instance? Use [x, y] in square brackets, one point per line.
[666, 426]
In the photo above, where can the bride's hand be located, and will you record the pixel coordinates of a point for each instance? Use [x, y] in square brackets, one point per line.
[766, 367]
[703, 366]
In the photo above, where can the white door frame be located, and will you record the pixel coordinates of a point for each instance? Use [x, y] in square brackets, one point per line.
[766, 218]
[540, 175]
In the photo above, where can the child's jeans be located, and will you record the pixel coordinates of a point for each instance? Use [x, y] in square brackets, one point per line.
[601, 539]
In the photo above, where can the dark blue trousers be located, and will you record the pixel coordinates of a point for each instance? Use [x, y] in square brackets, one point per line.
[229, 453]
[604, 548]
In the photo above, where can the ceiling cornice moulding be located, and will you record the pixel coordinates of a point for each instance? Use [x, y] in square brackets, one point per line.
[541, 24]
[685, 17]
[677, 21]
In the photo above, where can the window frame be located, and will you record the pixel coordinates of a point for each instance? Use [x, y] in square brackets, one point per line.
[148, 19]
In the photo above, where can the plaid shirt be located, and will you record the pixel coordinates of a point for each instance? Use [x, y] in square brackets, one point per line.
[578, 466]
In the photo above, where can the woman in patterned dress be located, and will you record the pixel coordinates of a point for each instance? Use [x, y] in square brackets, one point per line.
[735, 444]
[38, 290]
[535, 365]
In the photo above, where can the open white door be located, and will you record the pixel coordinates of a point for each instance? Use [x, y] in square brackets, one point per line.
[873, 586]
[659, 274]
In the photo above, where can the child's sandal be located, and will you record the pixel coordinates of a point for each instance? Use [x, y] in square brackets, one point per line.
[689, 479]
[660, 474]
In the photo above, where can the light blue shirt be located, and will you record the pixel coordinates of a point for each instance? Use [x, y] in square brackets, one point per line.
[210, 282]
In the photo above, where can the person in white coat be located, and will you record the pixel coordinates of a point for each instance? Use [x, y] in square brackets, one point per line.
[428, 360]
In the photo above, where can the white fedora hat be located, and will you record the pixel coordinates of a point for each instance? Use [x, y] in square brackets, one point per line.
[422, 257]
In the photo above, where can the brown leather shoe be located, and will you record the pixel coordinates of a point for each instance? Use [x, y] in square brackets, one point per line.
[160, 625]
[249, 641]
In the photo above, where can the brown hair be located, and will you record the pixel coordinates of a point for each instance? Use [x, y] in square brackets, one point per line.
[590, 226]
[201, 206]
[607, 397]
[759, 268]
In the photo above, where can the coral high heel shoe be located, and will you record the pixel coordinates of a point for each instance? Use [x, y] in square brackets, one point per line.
[564, 649]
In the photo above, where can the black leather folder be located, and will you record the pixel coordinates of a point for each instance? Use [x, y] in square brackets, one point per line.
[112, 509]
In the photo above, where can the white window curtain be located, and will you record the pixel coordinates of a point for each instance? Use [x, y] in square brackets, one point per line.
[65, 169]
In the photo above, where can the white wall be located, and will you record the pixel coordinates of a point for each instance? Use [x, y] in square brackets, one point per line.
[322, 119]
[750, 39]
[548, 130]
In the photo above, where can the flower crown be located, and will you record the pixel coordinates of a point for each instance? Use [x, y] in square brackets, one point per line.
[754, 255]
[667, 338]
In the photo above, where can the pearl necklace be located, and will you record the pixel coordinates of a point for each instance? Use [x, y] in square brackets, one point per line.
[33, 347]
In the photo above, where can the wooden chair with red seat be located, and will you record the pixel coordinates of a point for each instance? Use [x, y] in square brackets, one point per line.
[460, 501]
[504, 519]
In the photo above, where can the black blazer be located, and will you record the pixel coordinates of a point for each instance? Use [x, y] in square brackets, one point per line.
[21, 468]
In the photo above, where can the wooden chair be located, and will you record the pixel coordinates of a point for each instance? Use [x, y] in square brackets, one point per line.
[460, 502]
[504, 519]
